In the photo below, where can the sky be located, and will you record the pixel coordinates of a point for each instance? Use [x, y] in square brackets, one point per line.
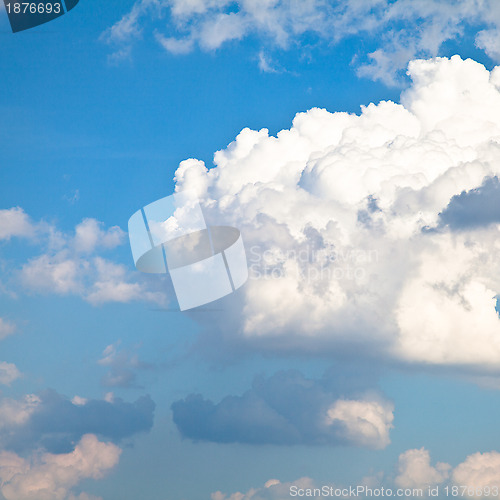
[355, 144]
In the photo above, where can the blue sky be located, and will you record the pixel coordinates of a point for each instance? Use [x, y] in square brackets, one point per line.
[330, 381]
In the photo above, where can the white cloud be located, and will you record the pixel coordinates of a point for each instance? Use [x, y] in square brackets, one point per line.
[175, 46]
[265, 64]
[51, 477]
[401, 29]
[17, 412]
[79, 401]
[364, 423]
[83, 496]
[6, 328]
[72, 265]
[335, 213]
[89, 235]
[112, 285]
[58, 273]
[8, 373]
[272, 490]
[478, 471]
[14, 222]
[415, 470]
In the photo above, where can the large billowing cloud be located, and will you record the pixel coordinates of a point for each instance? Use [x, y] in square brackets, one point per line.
[399, 30]
[287, 409]
[350, 227]
[55, 423]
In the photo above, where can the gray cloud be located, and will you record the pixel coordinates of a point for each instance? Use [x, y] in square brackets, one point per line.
[286, 409]
[55, 423]
[122, 366]
[477, 207]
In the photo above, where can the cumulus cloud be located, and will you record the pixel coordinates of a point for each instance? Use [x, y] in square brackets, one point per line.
[51, 477]
[14, 222]
[347, 224]
[8, 373]
[90, 234]
[415, 470]
[73, 264]
[365, 423]
[478, 471]
[287, 409]
[53, 422]
[401, 30]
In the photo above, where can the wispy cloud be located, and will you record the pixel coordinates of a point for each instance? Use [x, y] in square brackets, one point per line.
[6, 328]
[122, 366]
[400, 30]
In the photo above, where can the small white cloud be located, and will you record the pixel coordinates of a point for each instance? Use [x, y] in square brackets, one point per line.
[273, 490]
[363, 423]
[79, 401]
[174, 45]
[58, 273]
[109, 397]
[51, 477]
[14, 222]
[8, 373]
[111, 285]
[415, 470]
[89, 235]
[71, 265]
[6, 328]
[478, 471]
[265, 63]
[17, 412]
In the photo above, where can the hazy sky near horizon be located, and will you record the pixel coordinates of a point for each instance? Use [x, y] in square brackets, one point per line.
[356, 145]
